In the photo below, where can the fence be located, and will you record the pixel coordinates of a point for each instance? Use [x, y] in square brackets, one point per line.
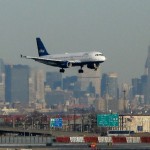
[25, 139]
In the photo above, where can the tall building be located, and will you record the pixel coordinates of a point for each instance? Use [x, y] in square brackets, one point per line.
[2, 87]
[54, 79]
[32, 93]
[40, 86]
[136, 87]
[147, 72]
[104, 85]
[110, 91]
[144, 79]
[70, 83]
[17, 83]
[2, 69]
[32, 86]
[90, 81]
[113, 85]
[139, 87]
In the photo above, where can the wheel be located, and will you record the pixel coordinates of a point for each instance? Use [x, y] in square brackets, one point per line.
[80, 71]
[62, 70]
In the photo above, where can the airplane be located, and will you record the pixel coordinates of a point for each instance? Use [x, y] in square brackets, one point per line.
[91, 59]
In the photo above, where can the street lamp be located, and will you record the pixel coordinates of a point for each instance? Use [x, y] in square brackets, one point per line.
[74, 121]
[24, 128]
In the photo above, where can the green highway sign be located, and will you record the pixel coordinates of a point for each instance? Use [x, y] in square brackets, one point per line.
[52, 122]
[108, 120]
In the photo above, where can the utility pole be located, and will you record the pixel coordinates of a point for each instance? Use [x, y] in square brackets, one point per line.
[74, 120]
[82, 124]
[107, 97]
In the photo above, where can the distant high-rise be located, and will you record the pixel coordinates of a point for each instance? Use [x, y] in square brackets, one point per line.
[147, 72]
[90, 81]
[17, 83]
[110, 91]
[2, 69]
[40, 86]
[2, 87]
[32, 86]
[69, 83]
[136, 87]
[104, 85]
[53, 79]
[113, 85]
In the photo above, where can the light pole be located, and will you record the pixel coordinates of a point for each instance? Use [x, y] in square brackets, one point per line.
[74, 121]
[24, 128]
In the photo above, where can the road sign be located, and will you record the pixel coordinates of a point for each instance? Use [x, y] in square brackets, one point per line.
[56, 122]
[108, 120]
[114, 120]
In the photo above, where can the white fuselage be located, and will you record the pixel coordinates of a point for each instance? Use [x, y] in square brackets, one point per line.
[80, 56]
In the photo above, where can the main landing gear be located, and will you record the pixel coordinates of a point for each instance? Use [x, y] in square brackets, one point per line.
[62, 70]
[80, 70]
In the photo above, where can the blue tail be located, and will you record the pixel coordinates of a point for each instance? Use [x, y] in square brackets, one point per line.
[41, 48]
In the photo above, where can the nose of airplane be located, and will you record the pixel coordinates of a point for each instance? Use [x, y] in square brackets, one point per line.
[104, 58]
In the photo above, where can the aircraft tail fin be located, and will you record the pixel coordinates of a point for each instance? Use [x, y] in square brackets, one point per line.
[41, 48]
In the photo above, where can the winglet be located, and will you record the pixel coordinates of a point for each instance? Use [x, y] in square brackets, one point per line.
[22, 56]
[41, 48]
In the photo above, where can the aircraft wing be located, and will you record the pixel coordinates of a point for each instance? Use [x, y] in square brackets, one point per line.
[53, 62]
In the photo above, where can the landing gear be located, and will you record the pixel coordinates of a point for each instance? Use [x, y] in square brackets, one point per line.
[80, 70]
[62, 70]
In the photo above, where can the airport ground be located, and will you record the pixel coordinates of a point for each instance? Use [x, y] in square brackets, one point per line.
[139, 146]
[9, 142]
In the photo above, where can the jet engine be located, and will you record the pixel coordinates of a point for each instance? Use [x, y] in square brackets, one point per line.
[93, 66]
[65, 64]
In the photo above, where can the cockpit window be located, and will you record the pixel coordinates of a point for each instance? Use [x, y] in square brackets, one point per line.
[98, 54]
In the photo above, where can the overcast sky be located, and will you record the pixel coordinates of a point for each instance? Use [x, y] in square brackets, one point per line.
[118, 28]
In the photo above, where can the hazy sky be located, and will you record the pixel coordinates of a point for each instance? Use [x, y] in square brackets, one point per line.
[118, 28]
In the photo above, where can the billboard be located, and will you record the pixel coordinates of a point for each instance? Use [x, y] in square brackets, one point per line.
[108, 120]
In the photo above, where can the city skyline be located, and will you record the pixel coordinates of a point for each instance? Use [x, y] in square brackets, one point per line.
[74, 91]
[120, 29]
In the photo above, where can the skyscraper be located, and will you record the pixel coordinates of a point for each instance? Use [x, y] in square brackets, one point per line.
[90, 79]
[40, 86]
[147, 72]
[53, 79]
[17, 83]
[2, 69]
[113, 85]
[104, 85]
[136, 87]
[2, 87]
[109, 91]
